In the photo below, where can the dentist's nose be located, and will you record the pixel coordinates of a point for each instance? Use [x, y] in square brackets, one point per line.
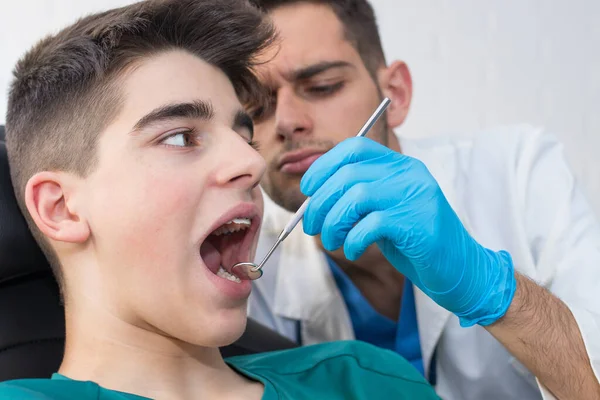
[292, 117]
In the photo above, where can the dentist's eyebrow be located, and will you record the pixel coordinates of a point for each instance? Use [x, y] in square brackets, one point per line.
[198, 109]
[243, 120]
[316, 69]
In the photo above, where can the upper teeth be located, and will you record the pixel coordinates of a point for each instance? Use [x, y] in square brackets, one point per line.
[243, 221]
[234, 225]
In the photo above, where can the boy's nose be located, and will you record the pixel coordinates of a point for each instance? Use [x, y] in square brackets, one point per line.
[242, 165]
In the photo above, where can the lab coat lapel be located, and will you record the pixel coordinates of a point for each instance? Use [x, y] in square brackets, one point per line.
[305, 289]
[443, 165]
[431, 319]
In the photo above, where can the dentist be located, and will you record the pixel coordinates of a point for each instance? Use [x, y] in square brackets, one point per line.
[363, 193]
[479, 263]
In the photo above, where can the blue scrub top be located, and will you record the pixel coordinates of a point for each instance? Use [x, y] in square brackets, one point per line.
[372, 327]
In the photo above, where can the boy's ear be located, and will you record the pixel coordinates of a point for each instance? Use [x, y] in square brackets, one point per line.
[47, 200]
[396, 83]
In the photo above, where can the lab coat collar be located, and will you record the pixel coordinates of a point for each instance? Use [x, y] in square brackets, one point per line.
[305, 289]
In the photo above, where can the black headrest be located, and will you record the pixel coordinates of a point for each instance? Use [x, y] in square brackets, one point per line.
[19, 252]
[31, 315]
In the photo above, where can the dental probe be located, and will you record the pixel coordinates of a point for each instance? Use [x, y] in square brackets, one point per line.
[251, 271]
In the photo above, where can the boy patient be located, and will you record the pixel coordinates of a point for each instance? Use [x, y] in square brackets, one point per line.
[133, 161]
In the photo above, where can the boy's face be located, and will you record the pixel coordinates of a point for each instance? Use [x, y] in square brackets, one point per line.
[174, 166]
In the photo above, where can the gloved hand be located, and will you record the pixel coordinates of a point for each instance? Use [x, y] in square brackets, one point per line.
[364, 193]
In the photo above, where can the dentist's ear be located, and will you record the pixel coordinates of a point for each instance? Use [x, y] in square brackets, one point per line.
[47, 196]
[396, 83]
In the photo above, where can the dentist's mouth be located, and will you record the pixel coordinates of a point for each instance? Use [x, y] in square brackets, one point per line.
[227, 245]
[298, 161]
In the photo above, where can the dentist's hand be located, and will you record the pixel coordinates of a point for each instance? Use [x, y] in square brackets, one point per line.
[364, 193]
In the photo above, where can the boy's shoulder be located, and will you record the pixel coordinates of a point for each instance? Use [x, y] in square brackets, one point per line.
[295, 360]
[57, 389]
[327, 370]
[337, 367]
[41, 389]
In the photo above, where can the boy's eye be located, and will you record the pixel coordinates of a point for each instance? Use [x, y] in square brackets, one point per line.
[180, 139]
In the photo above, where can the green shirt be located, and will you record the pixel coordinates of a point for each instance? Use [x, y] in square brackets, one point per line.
[338, 370]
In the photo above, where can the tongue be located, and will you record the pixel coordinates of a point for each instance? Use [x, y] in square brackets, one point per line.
[211, 256]
[230, 249]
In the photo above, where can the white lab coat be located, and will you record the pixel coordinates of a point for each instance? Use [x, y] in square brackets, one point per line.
[513, 190]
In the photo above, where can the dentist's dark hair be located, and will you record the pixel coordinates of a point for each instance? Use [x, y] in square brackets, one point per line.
[66, 89]
[359, 22]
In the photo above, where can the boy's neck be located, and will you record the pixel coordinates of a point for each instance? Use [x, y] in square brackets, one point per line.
[126, 358]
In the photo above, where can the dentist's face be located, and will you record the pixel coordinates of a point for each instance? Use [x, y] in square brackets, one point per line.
[174, 168]
[322, 94]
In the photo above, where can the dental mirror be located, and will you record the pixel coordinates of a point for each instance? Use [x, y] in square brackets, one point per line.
[252, 271]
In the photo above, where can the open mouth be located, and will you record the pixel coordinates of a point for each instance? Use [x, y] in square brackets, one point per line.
[228, 245]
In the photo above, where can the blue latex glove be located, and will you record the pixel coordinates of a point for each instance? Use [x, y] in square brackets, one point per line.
[364, 193]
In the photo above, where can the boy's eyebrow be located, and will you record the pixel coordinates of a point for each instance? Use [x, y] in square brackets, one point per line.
[315, 69]
[198, 109]
[243, 120]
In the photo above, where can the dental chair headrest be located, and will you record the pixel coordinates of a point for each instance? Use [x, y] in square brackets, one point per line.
[31, 315]
[20, 255]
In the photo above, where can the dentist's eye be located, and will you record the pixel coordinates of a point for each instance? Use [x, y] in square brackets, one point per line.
[254, 145]
[181, 139]
[324, 90]
[262, 112]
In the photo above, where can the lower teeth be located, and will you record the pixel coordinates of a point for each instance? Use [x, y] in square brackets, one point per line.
[224, 274]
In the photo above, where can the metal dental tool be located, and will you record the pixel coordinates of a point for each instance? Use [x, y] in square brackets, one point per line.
[251, 271]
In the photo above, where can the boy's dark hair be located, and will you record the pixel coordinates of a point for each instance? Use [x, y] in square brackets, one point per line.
[359, 22]
[65, 89]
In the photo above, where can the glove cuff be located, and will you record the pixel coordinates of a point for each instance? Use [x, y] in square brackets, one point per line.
[502, 290]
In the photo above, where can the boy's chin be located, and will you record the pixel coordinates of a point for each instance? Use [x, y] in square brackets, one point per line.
[221, 332]
[229, 334]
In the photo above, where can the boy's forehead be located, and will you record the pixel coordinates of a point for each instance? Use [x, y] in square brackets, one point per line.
[175, 77]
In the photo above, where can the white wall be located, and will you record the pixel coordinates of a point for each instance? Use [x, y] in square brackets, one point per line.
[474, 63]
[477, 64]
[24, 22]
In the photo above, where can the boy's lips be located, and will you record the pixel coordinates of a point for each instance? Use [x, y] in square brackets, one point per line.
[298, 161]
